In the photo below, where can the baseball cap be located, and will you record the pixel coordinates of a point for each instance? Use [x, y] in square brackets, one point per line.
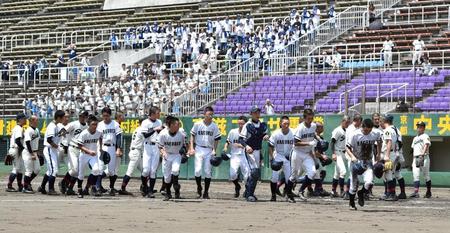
[21, 116]
[420, 123]
[388, 117]
[255, 109]
[84, 113]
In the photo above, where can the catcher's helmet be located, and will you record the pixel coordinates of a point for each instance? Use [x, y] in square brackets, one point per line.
[358, 167]
[322, 146]
[224, 156]
[105, 157]
[378, 169]
[276, 165]
[215, 161]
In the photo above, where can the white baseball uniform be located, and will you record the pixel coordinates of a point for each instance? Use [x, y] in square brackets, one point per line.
[387, 52]
[302, 156]
[18, 166]
[31, 166]
[340, 169]
[418, 146]
[237, 160]
[50, 153]
[205, 136]
[390, 134]
[136, 150]
[356, 142]
[150, 159]
[172, 145]
[283, 144]
[74, 130]
[418, 45]
[109, 133]
[90, 141]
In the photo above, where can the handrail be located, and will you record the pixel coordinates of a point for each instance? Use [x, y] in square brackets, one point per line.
[90, 50]
[411, 10]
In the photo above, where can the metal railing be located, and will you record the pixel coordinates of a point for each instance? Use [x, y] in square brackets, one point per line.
[417, 14]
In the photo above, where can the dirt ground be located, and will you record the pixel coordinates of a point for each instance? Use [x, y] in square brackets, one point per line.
[222, 213]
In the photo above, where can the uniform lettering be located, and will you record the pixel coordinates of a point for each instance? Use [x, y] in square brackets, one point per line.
[94, 140]
[107, 131]
[288, 142]
[172, 143]
[204, 132]
[308, 135]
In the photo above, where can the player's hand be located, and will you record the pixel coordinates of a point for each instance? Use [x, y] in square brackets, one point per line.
[213, 152]
[324, 157]
[354, 159]
[191, 152]
[313, 143]
[266, 138]
[118, 152]
[34, 156]
[164, 155]
[158, 129]
[55, 146]
[386, 158]
[92, 153]
[334, 157]
[248, 149]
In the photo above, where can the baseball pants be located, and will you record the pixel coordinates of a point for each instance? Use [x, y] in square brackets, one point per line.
[113, 165]
[51, 158]
[202, 161]
[425, 169]
[367, 177]
[238, 161]
[93, 161]
[391, 174]
[387, 55]
[73, 158]
[135, 161]
[171, 166]
[286, 168]
[416, 57]
[340, 168]
[150, 160]
[17, 165]
[253, 160]
[302, 161]
[31, 165]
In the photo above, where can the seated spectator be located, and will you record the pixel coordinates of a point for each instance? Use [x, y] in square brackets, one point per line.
[270, 109]
[427, 69]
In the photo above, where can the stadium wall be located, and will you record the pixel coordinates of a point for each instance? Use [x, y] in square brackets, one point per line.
[121, 4]
[438, 127]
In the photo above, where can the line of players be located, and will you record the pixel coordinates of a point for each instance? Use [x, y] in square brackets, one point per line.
[298, 154]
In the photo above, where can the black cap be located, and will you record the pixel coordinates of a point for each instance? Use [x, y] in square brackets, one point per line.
[84, 113]
[21, 116]
[388, 117]
[420, 123]
[255, 109]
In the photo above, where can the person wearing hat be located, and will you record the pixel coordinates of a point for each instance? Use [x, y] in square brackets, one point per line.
[251, 137]
[15, 149]
[73, 130]
[269, 107]
[30, 157]
[421, 161]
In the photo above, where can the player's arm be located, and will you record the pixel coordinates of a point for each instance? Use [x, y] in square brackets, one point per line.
[192, 139]
[86, 150]
[28, 145]
[118, 140]
[19, 144]
[50, 141]
[378, 155]
[300, 143]
[100, 143]
[217, 139]
[333, 148]
[427, 146]
[227, 143]
[349, 149]
[162, 149]
[271, 147]
[387, 155]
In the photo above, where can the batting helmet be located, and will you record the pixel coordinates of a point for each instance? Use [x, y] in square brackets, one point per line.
[325, 162]
[225, 156]
[105, 157]
[322, 146]
[184, 158]
[215, 161]
[378, 169]
[276, 165]
[358, 168]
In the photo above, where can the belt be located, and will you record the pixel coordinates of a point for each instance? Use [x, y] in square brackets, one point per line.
[106, 144]
[132, 148]
[204, 147]
[150, 143]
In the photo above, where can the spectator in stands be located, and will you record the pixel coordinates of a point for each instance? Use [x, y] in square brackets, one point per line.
[123, 72]
[104, 69]
[33, 70]
[402, 107]
[178, 53]
[315, 15]
[387, 52]
[305, 19]
[311, 28]
[114, 41]
[332, 17]
[23, 72]
[127, 39]
[371, 11]
[168, 51]
[60, 62]
[418, 47]
[270, 109]
[72, 54]
[427, 69]
[5, 70]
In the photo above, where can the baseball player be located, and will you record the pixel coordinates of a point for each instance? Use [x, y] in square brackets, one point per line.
[63, 144]
[321, 172]
[418, 47]
[357, 119]
[88, 141]
[150, 160]
[302, 157]
[421, 161]
[29, 155]
[280, 149]
[73, 130]
[110, 142]
[52, 139]
[338, 149]
[136, 151]
[170, 142]
[360, 148]
[251, 137]
[377, 128]
[237, 160]
[387, 52]
[15, 149]
[205, 136]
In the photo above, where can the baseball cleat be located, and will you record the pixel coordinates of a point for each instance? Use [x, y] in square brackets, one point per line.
[27, 190]
[85, 192]
[277, 191]
[111, 193]
[402, 196]
[151, 195]
[346, 196]
[20, 188]
[251, 199]
[324, 193]
[334, 194]
[11, 190]
[274, 198]
[290, 198]
[103, 190]
[352, 202]
[360, 197]
[237, 191]
[80, 193]
[302, 197]
[391, 197]
[62, 187]
[70, 192]
[199, 192]
[414, 195]
[205, 196]
[52, 193]
[427, 195]
[124, 192]
[42, 190]
[166, 197]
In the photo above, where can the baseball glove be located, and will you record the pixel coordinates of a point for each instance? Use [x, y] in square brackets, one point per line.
[366, 151]
[9, 160]
[41, 160]
[420, 161]
[388, 165]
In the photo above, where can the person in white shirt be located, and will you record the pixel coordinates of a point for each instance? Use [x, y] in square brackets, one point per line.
[29, 155]
[316, 15]
[387, 52]
[421, 161]
[418, 47]
[270, 109]
[16, 146]
[337, 146]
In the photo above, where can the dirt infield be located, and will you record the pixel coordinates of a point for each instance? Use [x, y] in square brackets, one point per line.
[222, 213]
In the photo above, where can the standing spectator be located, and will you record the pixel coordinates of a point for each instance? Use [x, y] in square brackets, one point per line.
[178, 53]
[195, 49]
[60, 62]
[332, 17]
[72, 54]
[311, 32]
[22, 72]
[371, 12]
[168, 51]
[158, 51]
[305, 19]
[32, 70]
[316, 16]
[270, 109]
[387, 52]
[114, 41]
[104, 70]
[127, 39]
[5, 71]
[418, 47]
